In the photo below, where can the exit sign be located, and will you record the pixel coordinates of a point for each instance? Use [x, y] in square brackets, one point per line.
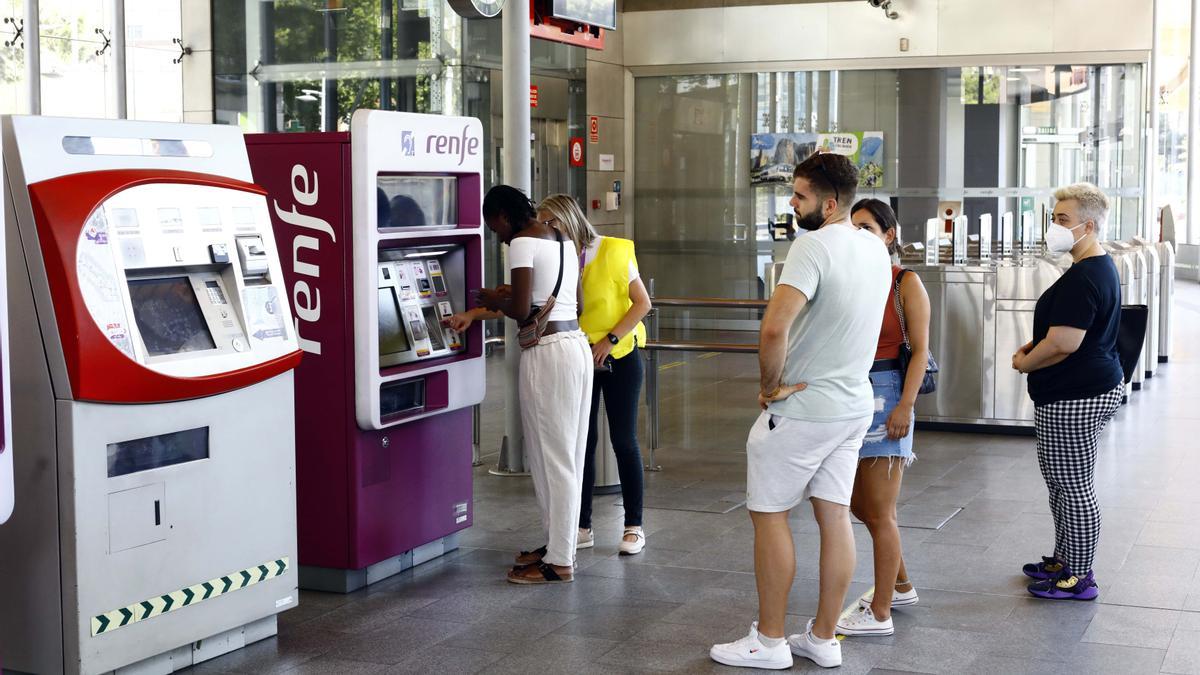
[533, 96]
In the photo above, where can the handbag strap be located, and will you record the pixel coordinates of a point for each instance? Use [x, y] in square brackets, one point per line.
[562, 247]
[900, 310]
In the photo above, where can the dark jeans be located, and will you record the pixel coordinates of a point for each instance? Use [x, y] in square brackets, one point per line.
[621, 389]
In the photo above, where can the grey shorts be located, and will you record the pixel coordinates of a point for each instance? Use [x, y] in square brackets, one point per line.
[798, 460]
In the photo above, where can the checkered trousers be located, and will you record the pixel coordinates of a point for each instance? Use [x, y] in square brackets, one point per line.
[1068, 433]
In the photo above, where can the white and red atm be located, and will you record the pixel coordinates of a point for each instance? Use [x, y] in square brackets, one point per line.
[156, 486]
[383, 235]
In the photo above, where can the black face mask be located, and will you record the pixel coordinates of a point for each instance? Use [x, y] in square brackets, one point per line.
[811, 221]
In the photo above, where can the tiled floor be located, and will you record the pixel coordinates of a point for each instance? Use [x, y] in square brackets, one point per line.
[694, 585]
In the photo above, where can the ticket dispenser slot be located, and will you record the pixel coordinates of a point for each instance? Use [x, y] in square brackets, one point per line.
[253, 256]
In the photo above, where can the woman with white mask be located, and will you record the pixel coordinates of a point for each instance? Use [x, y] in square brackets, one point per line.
[1076, 383]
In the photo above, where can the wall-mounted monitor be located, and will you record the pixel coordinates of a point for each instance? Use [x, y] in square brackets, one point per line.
[602, 13]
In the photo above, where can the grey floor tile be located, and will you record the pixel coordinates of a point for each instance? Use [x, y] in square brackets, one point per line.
[1008, 665]
[959, 610]
[1170, 535]
[445, 659]
[332, 666]
[934, 650]
[1105, 659]
[662, 657]
[1160, 561]
[397, 641]
[1142, 590]
[1183, 656]
[1132, 627]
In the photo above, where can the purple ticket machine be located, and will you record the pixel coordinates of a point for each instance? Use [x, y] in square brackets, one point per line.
[385, 232]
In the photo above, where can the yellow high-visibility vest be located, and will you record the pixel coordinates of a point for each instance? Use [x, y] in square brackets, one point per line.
[606, 295]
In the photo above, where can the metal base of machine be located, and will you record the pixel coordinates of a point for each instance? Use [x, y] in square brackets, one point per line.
[606, 489]
[332, 580]
[198, 652]
[961, 427]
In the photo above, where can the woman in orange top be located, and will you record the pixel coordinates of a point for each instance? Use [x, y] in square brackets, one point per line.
[887, 449]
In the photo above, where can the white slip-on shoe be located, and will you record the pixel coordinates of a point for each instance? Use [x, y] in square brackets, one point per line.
[824, 653]
[633, 547]
[586, 539]
[899, 599]
[750, 652]
[862, 621]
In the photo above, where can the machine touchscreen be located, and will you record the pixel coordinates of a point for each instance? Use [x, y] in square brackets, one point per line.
[168, 316]
[435, 328]
[392, 339]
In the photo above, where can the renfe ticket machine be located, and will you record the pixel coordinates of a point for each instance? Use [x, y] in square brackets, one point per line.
[384, 231]
[155, 474]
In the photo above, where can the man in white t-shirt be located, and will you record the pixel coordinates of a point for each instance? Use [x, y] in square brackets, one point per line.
[816, 347]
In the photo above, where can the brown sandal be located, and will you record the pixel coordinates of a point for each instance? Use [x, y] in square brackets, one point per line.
[526, 558]
[541, 573]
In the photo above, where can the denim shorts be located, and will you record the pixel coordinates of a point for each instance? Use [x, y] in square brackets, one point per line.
[887, 385]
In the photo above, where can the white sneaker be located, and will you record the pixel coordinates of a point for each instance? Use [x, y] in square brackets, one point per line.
[585, 540]
[824, 653]
[899, 599]
[862, 621]
[750, 652]
[633, 547]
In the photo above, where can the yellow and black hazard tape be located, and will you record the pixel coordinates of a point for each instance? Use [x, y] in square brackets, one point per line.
[157, 606]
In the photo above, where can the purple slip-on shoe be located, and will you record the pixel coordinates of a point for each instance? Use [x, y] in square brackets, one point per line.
[1049, 568]
[1085, 587]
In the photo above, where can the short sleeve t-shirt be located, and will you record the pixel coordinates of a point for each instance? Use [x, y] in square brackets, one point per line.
[543, 256]
[1087, 296]
[846, 275]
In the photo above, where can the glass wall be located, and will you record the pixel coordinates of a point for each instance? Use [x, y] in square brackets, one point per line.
[299, 65]
[1170, 181]
[77, 62]
[712, 166]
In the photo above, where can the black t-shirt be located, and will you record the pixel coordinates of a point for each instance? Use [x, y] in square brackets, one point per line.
[1087, 296]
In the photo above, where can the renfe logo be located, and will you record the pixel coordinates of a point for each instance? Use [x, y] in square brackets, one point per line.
[452, 145]
[408, 145]
[306, 300]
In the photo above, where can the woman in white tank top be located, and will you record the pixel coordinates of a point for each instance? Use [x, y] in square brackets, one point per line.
[555, 382]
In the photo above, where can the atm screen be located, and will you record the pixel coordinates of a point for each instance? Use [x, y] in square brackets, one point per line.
[392, 339]
[168, 316]
[417, 201]
[435, 328]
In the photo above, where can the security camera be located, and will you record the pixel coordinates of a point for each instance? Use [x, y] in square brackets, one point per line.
[886, 6]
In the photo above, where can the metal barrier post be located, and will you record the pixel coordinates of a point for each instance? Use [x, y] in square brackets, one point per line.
[652, 384]
[475, 460]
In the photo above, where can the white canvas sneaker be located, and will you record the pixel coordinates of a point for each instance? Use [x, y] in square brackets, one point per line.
[586, 539]
[750, 652]
[862, 621]
[633, 547]
[824, 653]
[899, 599]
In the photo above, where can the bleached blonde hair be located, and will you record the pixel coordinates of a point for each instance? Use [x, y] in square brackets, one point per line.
[569, 216]
[1092, 203]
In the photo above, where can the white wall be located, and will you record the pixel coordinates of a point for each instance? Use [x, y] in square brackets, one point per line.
[855, 30]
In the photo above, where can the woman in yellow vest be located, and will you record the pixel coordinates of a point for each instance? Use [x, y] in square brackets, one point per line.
[614, 303]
